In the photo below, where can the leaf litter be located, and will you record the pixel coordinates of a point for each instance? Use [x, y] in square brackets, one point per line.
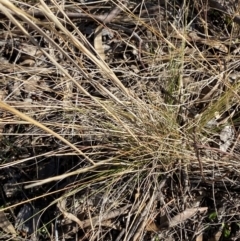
[119, 121]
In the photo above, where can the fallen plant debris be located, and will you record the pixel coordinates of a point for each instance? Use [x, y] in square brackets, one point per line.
[119, 120]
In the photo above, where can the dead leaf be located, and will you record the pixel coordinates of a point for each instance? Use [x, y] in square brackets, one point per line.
[98, 45]
[16, 88]
[26, 221]
[3, 95]
[29, 49]
[226, 137]
[11, 188]
[216, 236]
[62, 207]
[199, 237]
[182, 217]
[28, 62]
[152, 227]
[31, 85]
[5, 225]
[214, 43]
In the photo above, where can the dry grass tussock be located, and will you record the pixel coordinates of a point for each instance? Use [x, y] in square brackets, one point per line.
[119, 120]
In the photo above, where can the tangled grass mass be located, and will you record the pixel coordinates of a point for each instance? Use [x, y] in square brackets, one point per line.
[119, 120]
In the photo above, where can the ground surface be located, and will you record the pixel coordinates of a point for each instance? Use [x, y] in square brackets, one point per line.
[119, 120]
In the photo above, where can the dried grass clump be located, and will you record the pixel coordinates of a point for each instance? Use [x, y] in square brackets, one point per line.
[117, 118]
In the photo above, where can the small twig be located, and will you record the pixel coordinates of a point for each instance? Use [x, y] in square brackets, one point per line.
[198, 155]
